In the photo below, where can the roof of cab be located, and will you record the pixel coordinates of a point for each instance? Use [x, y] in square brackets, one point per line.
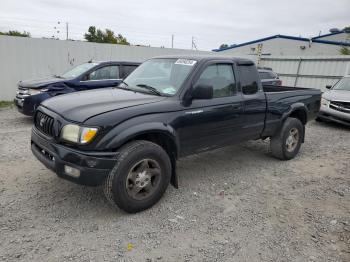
[208, 58]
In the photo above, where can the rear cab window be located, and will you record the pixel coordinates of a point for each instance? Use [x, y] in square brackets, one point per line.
[249, 79]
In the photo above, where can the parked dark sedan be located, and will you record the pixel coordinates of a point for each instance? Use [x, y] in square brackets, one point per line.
[86, 76]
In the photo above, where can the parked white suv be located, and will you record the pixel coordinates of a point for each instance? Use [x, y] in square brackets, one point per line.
[335, 103]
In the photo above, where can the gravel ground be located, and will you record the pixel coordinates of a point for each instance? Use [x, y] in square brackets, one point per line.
[233, 204]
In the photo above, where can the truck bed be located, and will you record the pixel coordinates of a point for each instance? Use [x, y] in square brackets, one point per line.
[280, 98]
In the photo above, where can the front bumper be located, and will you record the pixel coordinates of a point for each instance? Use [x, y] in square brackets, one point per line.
[93, 166]
[330, 114]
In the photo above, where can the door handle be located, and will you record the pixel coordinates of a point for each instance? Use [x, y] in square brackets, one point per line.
[236, 107]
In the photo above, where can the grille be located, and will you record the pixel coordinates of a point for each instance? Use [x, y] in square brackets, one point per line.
[340, 106]
[44, 123]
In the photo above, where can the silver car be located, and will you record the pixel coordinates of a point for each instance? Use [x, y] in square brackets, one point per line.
[335, 103]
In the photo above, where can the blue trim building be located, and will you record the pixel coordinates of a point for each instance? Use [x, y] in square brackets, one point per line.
[318, 40]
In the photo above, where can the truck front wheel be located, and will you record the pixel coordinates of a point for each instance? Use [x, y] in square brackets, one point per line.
[285, 144]
[139, 178]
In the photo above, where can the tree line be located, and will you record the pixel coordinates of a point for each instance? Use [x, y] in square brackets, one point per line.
[16, 33]
[92, 35]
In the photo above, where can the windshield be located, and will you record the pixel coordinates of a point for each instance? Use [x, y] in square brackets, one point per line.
[343, 84]
[78, 70]
[166, 76]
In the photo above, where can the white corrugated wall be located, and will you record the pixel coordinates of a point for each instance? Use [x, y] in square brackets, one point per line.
[313, 71]
[29, 58]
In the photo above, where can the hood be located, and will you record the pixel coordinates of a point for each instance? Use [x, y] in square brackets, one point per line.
[42, 82]
[337, 95]
[80, 106]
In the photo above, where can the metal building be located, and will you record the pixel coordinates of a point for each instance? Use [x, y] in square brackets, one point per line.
[283, 45]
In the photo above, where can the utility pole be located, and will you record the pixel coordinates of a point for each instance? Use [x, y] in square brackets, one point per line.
[66, 30]
[193, 44]
[172, 41]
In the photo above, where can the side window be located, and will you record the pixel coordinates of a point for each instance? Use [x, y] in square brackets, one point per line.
[221, 77]
[127, 69]
[107, 72]
[114, 72]
[249, 78]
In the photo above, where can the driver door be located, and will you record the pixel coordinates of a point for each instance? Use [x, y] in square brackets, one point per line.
[215, 122]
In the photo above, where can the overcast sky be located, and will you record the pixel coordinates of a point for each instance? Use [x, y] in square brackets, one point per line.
[152, 22]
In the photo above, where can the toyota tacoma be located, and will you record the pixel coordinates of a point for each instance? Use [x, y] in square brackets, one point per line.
[128, 138]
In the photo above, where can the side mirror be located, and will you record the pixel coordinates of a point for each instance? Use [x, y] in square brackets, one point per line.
[202, 92]
[328, 86]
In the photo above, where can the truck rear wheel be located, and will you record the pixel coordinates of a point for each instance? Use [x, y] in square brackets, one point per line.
[139, 178]
[285, 144]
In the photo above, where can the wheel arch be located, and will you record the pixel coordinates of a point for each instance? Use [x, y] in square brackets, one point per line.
[158, 133]
[298, 111]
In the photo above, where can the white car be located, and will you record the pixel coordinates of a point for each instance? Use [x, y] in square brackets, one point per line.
[335, 103]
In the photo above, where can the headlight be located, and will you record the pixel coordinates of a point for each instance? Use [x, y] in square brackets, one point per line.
[324, 102]
[36, 91]
[78, 134]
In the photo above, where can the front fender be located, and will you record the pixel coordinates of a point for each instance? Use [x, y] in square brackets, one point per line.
[121, 134]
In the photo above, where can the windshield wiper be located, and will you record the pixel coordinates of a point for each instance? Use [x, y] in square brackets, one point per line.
[150, 88]
[125, 83]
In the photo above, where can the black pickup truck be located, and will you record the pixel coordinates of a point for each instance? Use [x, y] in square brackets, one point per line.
[129, 137]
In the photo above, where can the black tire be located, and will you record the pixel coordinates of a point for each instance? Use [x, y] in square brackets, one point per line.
[116, 186]
[319, 119]
[278, 143]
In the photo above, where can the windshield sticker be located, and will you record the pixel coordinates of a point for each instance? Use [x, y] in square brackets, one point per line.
[187, 62]
[169, 90]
